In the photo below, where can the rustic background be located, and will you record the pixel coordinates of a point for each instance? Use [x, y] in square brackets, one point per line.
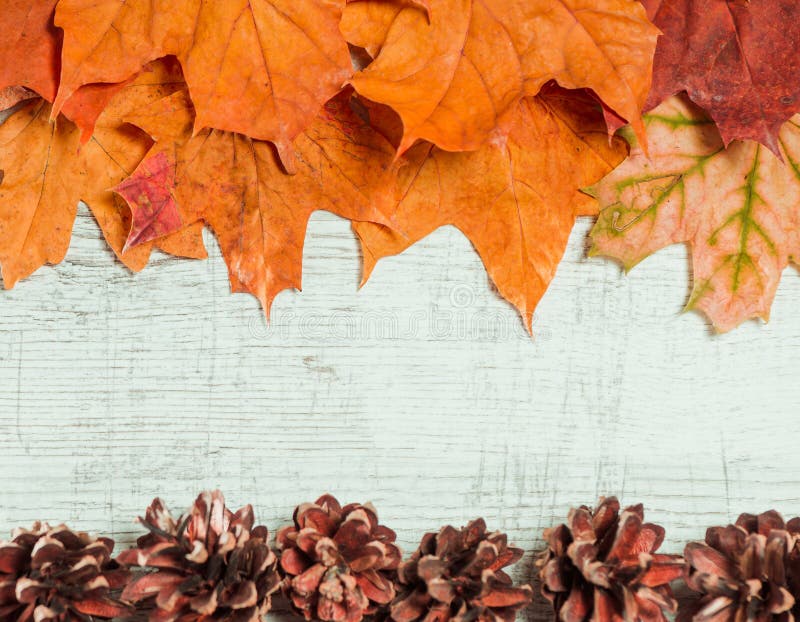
[421, 393]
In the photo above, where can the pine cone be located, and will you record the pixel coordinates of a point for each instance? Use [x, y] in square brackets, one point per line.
[210, 565]
[456, 575]
[339, 563]
[603, 566]
[747, 571]
[58, 575]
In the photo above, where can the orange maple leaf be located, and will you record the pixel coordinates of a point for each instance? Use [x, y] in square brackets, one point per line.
[237, 186]
[738, 208]
[29, 34]
[47, 171]
[455, 77]
[30, 46]
[516, 199]
[259, 67]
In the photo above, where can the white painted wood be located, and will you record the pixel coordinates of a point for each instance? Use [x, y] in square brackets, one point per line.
[421, 392]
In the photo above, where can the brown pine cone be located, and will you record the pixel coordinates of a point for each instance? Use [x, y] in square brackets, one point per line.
[456, 575]
[210, 565]
[58, 575]
[339, 563]
[603, 566]
[749, 571]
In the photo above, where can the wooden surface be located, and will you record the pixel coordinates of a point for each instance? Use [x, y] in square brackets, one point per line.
[421, 393]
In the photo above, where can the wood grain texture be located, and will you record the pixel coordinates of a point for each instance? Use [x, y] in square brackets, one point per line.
[421, 393]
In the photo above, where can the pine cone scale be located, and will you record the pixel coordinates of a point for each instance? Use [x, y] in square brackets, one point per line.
[149, 584]
[709, 562]
[412, 607]
[508, 557]
[552, 576]
[7, 591]
[441, 590]
[634, 537]
[375, 587]
[577, 606]
[366, 557]
[584, 557]
[204, 603]
[28, 590]
[355, 532]
[294, 562]
[427, 568]
[610, 609]
[162, 555]
[606, 514]
[172, 601]
[652, 597]
[502, 596]
[780, 600]
[100, 608]
[242, 596]
[306, 540]
[307, 583]
[662, 569]
[581, 525]
[12, 557]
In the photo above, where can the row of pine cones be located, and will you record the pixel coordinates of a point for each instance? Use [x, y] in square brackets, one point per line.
[339, 564]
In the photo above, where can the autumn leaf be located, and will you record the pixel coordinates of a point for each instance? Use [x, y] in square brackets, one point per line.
[259, 67]
[455, 77]
[30, 46]
[237, 186]
[47, 171]
[737, 208]
[150, 192]
[515, 199]
[30, 59]
[737, 60]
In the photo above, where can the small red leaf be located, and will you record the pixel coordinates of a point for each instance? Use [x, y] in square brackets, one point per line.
[148, 192]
